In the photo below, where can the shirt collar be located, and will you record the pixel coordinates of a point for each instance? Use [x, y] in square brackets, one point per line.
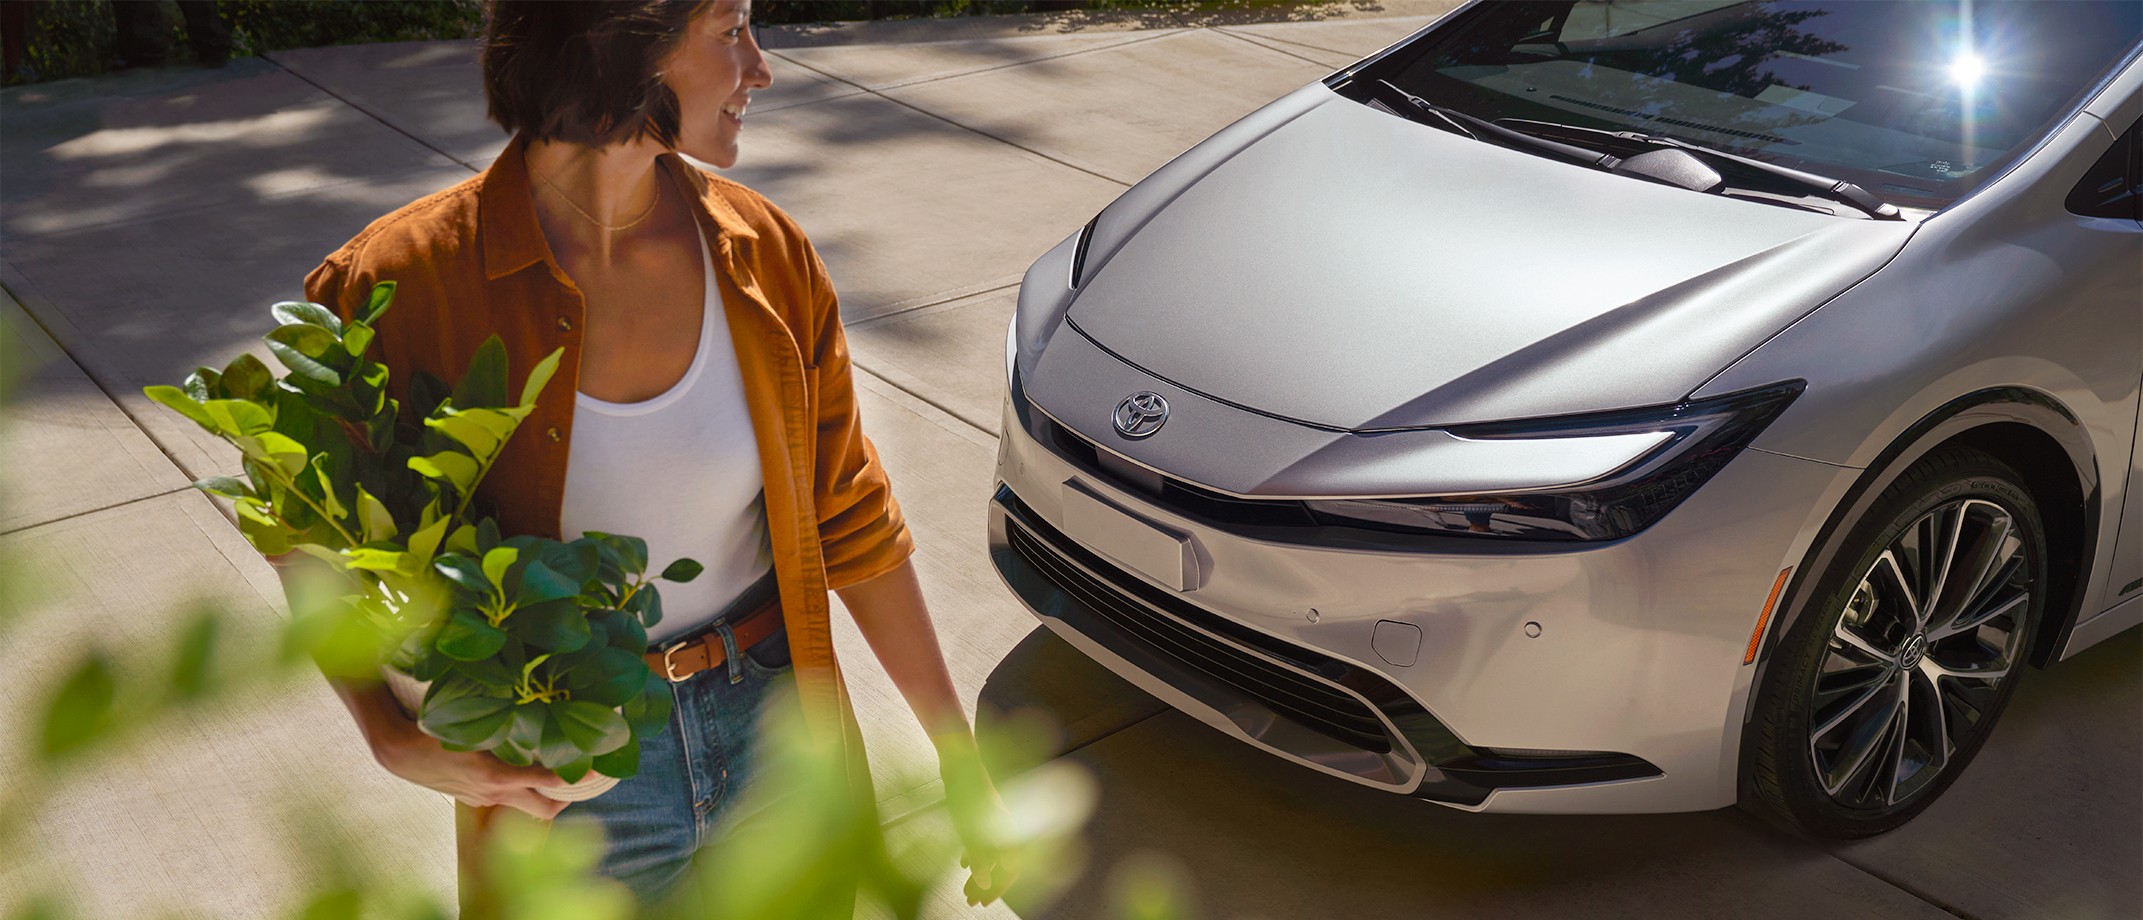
[506, 211]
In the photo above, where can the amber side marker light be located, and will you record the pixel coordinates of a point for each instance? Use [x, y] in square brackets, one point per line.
[1764, 619]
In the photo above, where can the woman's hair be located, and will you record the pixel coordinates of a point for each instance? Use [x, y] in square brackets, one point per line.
[586, 72]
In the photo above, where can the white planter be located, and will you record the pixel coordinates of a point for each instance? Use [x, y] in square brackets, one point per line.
[409, 691]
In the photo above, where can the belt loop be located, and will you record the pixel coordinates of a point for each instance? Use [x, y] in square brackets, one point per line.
[730, 653]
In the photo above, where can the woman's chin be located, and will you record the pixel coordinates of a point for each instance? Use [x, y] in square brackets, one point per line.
[717, 155]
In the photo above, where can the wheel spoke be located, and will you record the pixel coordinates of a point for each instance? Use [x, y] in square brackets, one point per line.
[1932, 714]
[1856, 751]
[1900, 733]
[1939, 556]
[1987, 612]
[1900, 582]
[1980, 565]
[1852, 639]
[1867, 690]
[1990, 672]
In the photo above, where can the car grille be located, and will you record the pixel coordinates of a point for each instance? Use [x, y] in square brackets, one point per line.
[1135, 610]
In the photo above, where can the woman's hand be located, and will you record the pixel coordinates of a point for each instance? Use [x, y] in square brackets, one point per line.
[471, 778]
[406, 751]
[979, 817]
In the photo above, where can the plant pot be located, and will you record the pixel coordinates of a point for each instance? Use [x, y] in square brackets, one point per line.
[409, 692]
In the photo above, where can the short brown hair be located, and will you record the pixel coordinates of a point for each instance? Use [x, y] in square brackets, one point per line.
[585, 72]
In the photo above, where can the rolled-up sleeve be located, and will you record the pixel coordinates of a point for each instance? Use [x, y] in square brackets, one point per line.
[861, 532]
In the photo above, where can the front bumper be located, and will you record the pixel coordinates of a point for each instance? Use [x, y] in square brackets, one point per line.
[1604, 679]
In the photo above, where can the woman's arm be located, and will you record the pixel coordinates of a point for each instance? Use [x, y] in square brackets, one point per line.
[404, 750]
[889, 611]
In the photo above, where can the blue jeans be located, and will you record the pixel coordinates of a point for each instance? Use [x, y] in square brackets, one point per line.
[691, 775]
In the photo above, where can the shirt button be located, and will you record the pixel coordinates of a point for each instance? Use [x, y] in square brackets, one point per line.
[565, 324]
[553, 434]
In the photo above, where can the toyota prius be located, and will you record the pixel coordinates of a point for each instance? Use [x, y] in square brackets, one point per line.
[1611, 407]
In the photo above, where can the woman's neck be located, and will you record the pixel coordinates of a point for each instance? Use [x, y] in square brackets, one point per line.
[588, 198]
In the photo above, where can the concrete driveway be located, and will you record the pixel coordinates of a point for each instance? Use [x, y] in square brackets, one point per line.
[150, 217]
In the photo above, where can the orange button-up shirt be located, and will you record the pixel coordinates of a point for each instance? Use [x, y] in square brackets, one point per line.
[471, 261]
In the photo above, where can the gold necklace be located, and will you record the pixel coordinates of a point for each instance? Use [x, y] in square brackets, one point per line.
[568, 199]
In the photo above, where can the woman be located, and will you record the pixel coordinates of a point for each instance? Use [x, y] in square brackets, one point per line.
[703, 402]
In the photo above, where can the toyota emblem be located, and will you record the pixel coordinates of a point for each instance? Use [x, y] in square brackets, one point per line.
[1141, 414]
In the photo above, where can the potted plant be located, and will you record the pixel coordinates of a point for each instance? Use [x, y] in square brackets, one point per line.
[525, 647]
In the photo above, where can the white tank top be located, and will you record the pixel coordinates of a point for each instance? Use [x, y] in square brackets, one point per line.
[681, 471]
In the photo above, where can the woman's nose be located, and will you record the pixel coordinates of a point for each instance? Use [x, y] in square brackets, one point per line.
[758, 75]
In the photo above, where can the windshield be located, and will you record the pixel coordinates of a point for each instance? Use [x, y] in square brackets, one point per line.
[1918, 102]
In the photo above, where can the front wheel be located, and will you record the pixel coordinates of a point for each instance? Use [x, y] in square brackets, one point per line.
[1880, 694]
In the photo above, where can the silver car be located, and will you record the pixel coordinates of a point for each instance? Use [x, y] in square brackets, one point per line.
[1631, 407]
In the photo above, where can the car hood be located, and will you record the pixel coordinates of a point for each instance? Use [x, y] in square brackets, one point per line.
[1351, 269]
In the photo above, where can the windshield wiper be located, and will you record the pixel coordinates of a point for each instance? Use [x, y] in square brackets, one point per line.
[1461, 123]
[1834, 189]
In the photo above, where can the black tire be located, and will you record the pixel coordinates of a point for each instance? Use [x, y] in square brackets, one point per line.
[1834, 749]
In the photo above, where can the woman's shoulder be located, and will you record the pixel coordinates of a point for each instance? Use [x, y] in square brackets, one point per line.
[428, 232]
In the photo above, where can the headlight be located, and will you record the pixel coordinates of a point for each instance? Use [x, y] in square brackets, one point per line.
[1703, 436]
[1044, 294]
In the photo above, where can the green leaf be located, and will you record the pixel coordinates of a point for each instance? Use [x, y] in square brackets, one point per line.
[81, 713]
[470, 721]
[496, 562]
[554, 626]
[226, 486]
[487, 534]
[488, 672]
[539, 376]
[373, 559]
[484, 385]
[629, 554]
[622, 763]
[309, 340]
[202, 384]
[328, 500]
[373, 519]
[463, 541]
[176, 400]
[291, 312]
[452, 467]
[611, 676]
[649, 713]
[355, 340]
[465, 572]
[681, 571]
[268, 537]
[382, 297]
[624, 630]
[247, 378]
[238, 417]
[540, 582]
[480, 440]
[192, 669]
[425, 541]
[296, 359]
[552, 747]
[592, 727]
[575, 770]
[469, 637]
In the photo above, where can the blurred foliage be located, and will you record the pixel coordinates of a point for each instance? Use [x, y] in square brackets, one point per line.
[72, 38]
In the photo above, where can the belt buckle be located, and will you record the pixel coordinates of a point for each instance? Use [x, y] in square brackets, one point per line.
[669, 668]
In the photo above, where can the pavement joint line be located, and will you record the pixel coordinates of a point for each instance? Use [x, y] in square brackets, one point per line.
[1262, 42]
[919, 81]
[1299, 44]
[1902, 885]
[870, 375]
[969, 128]
[61, 346]
[368, 112]
[97, 510]
[925, 302]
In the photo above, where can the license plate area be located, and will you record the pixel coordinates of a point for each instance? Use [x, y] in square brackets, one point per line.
[1163, 554]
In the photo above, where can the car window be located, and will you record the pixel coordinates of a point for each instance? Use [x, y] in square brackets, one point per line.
[2113, 187]
[1919, 102]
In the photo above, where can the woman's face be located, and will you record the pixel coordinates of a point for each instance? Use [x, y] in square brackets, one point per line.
[713, 72]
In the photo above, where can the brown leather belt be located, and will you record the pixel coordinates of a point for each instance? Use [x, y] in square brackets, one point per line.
[682, 659]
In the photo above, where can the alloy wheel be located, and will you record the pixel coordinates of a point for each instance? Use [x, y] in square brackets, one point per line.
[1920, 654]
